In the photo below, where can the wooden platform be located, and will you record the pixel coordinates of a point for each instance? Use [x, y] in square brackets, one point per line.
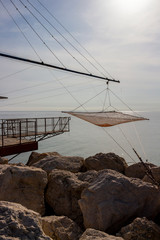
[13, 146]
[22, 135]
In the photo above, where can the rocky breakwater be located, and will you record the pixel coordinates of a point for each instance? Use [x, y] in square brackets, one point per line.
[71, 198]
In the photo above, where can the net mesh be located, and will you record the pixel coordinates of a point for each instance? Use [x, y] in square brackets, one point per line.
[106, 119]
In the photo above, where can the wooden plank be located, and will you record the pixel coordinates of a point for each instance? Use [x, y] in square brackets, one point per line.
[18, 148]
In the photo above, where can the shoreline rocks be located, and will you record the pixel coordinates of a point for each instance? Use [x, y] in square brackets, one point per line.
[71, 198]
[24, 185]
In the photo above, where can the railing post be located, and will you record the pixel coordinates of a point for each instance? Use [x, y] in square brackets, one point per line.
[35, 129]
[45, 126]
[20, 135]
[2, 136]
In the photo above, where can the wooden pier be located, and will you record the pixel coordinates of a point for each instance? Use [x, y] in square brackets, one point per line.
[22, 135]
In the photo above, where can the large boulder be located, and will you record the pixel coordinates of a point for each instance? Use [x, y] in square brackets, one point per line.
[137, 170]
[113, 199]
[156, 176]
[91, 234]
[72, 164]
[106, 161]
[35, 157]
[24, 185]
[3, 160]
[63, 192]
[88, 176]
[17, 222]
[61, 228]
[140, 229]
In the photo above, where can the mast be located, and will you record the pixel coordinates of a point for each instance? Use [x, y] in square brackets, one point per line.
[1, 97]
[57, 67]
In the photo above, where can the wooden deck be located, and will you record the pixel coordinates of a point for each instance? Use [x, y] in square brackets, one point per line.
[22, 135]
[13, 146]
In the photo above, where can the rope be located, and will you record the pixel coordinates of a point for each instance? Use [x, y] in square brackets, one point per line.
[69, 92]
[118, 144]
[52, 35]
[37, 34]
[12, 74]
[21, 31]
[81, 105]
[140, 142]
[51, 14]
[148, 170]
[65, 39]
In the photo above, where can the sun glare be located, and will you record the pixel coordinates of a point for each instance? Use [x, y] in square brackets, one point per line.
[132, 6]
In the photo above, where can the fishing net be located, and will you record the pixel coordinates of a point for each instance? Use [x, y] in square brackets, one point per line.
[106, 119]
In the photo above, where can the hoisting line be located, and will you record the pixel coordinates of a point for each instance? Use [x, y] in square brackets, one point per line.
[56, 67]
[148, 170]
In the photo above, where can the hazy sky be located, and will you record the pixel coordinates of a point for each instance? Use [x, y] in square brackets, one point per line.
[122, 35]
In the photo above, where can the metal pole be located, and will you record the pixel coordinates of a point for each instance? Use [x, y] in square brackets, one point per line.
[56, 67]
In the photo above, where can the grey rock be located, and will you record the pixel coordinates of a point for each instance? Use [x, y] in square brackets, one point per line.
[106, 161]
[113, 199]
[137, 170]
[72, 164]
[17, 222]
[24, 185]
[140, 229]
[61, 228]
[63, 192]
[35, 157]
[91, 234]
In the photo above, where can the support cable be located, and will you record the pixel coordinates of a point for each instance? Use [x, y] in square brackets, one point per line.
[64, 37]
[54, 37]
[37, 34]
[118, 144]
[69, 92]
[122, 101]
[148, 170]
[81, 105]
[51, 14]
[140, 142]
[21, 32]
[12, 74]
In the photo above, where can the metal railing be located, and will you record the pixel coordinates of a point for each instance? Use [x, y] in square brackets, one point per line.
[32, 128]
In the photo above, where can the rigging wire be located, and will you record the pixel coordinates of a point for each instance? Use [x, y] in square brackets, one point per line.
[69, 92]
[33, 100]
[140, 142]
[81, 105]
[37, 34]
[51, 14]
[21, 32]
[54, 37]
[65, 38]
[12, 74]
[118, 144]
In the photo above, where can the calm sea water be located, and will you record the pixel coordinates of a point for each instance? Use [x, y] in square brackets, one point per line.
[85, 139]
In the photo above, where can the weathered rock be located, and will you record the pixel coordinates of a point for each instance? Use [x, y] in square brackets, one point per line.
[140, 229]
[72, 164]
[24, 185]
[91, 234]
[63, 192]
[61, 228]
[3, 160]
[35, 157]
[17, 222]
[113, 199]
[106, 161]
[156, 174]
[88, 176]
[137, 170]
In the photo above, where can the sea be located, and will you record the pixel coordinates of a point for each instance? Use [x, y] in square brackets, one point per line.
[85, 139]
